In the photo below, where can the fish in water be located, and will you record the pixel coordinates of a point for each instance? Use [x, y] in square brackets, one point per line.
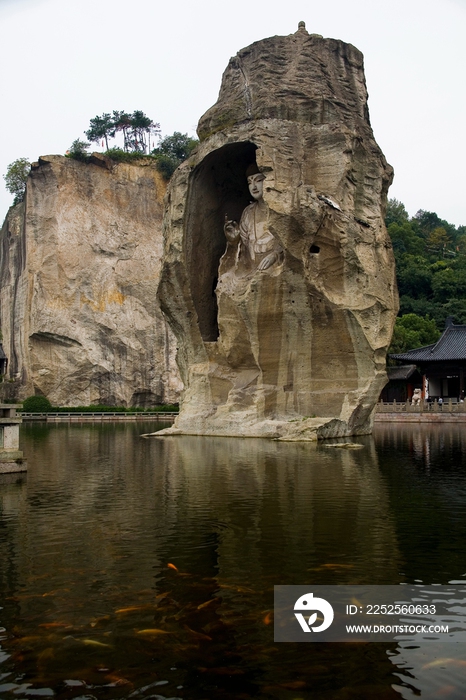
[98, 620]
[117, 680]
[57, 590]
[337, 566]
[94, 643]
[198, 635]
[152, 632]
[134, 608]
[238, 589]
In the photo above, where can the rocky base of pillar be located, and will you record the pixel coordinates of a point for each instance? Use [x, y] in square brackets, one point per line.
[12, 462]
[294, 430]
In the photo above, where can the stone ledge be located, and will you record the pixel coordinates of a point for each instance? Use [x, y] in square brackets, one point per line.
[11, 467]
[8, 455]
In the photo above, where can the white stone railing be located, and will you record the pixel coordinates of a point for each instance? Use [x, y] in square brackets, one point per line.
[98, 416]
[448, 406]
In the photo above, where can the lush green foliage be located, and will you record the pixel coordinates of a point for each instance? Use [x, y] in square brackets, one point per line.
[430, 256]
[101, 128]
[172, 151]
[78, 151]
[412, 331]
[121, 156]
[177, 145]
[37, 404]
[167, 165]
[136, 128]
[16, 177]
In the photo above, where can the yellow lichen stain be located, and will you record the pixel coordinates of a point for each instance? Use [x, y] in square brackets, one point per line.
[161, 186]
[60, 302]
[103, 298]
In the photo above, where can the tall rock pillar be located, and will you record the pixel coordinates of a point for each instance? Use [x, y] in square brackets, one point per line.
[278, 276]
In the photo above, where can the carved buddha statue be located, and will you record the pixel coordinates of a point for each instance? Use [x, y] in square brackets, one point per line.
[252, 232]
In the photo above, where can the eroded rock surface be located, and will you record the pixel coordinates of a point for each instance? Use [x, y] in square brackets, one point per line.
[80, 266]
[295, 349]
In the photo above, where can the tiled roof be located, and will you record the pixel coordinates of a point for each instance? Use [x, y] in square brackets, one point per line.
[450, 346]
[401, 372]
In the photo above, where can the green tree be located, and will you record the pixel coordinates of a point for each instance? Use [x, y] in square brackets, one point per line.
[439, 242]
[177, 145]
[16, 178]
[136, 129]
[172, 151]
[405, 239]
[427, 221]
[37, 404]
[141, 129]
[414, 277]
[449, 284]
[396, 213]
[78, 150]
[122, 122]
[412, 331]
[430, 255]
[101, 128]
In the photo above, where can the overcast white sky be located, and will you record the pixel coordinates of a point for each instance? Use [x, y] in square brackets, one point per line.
[63, 62]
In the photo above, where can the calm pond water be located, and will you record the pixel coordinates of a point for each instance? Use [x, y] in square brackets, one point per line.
[144, 568]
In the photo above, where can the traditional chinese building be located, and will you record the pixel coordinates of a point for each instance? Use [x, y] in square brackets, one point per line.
[402, 381]
[442, 365]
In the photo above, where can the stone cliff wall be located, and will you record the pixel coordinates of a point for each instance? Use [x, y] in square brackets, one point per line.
[79, 269]
[295, 349]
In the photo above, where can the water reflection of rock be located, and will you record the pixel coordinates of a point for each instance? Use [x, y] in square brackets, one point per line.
[103, 512]
[12, 506]
[318, 515]
[221, 506]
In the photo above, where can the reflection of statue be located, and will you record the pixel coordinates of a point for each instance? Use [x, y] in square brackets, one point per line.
[263, 249]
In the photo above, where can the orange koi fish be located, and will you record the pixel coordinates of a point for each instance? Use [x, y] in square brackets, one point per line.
[150, 632]
[133, 608]
[198, 635]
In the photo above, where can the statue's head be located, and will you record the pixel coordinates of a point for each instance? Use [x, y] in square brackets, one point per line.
[255, 181]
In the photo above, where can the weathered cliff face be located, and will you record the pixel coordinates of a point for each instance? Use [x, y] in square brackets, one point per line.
[283, 331]
[80, 265]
